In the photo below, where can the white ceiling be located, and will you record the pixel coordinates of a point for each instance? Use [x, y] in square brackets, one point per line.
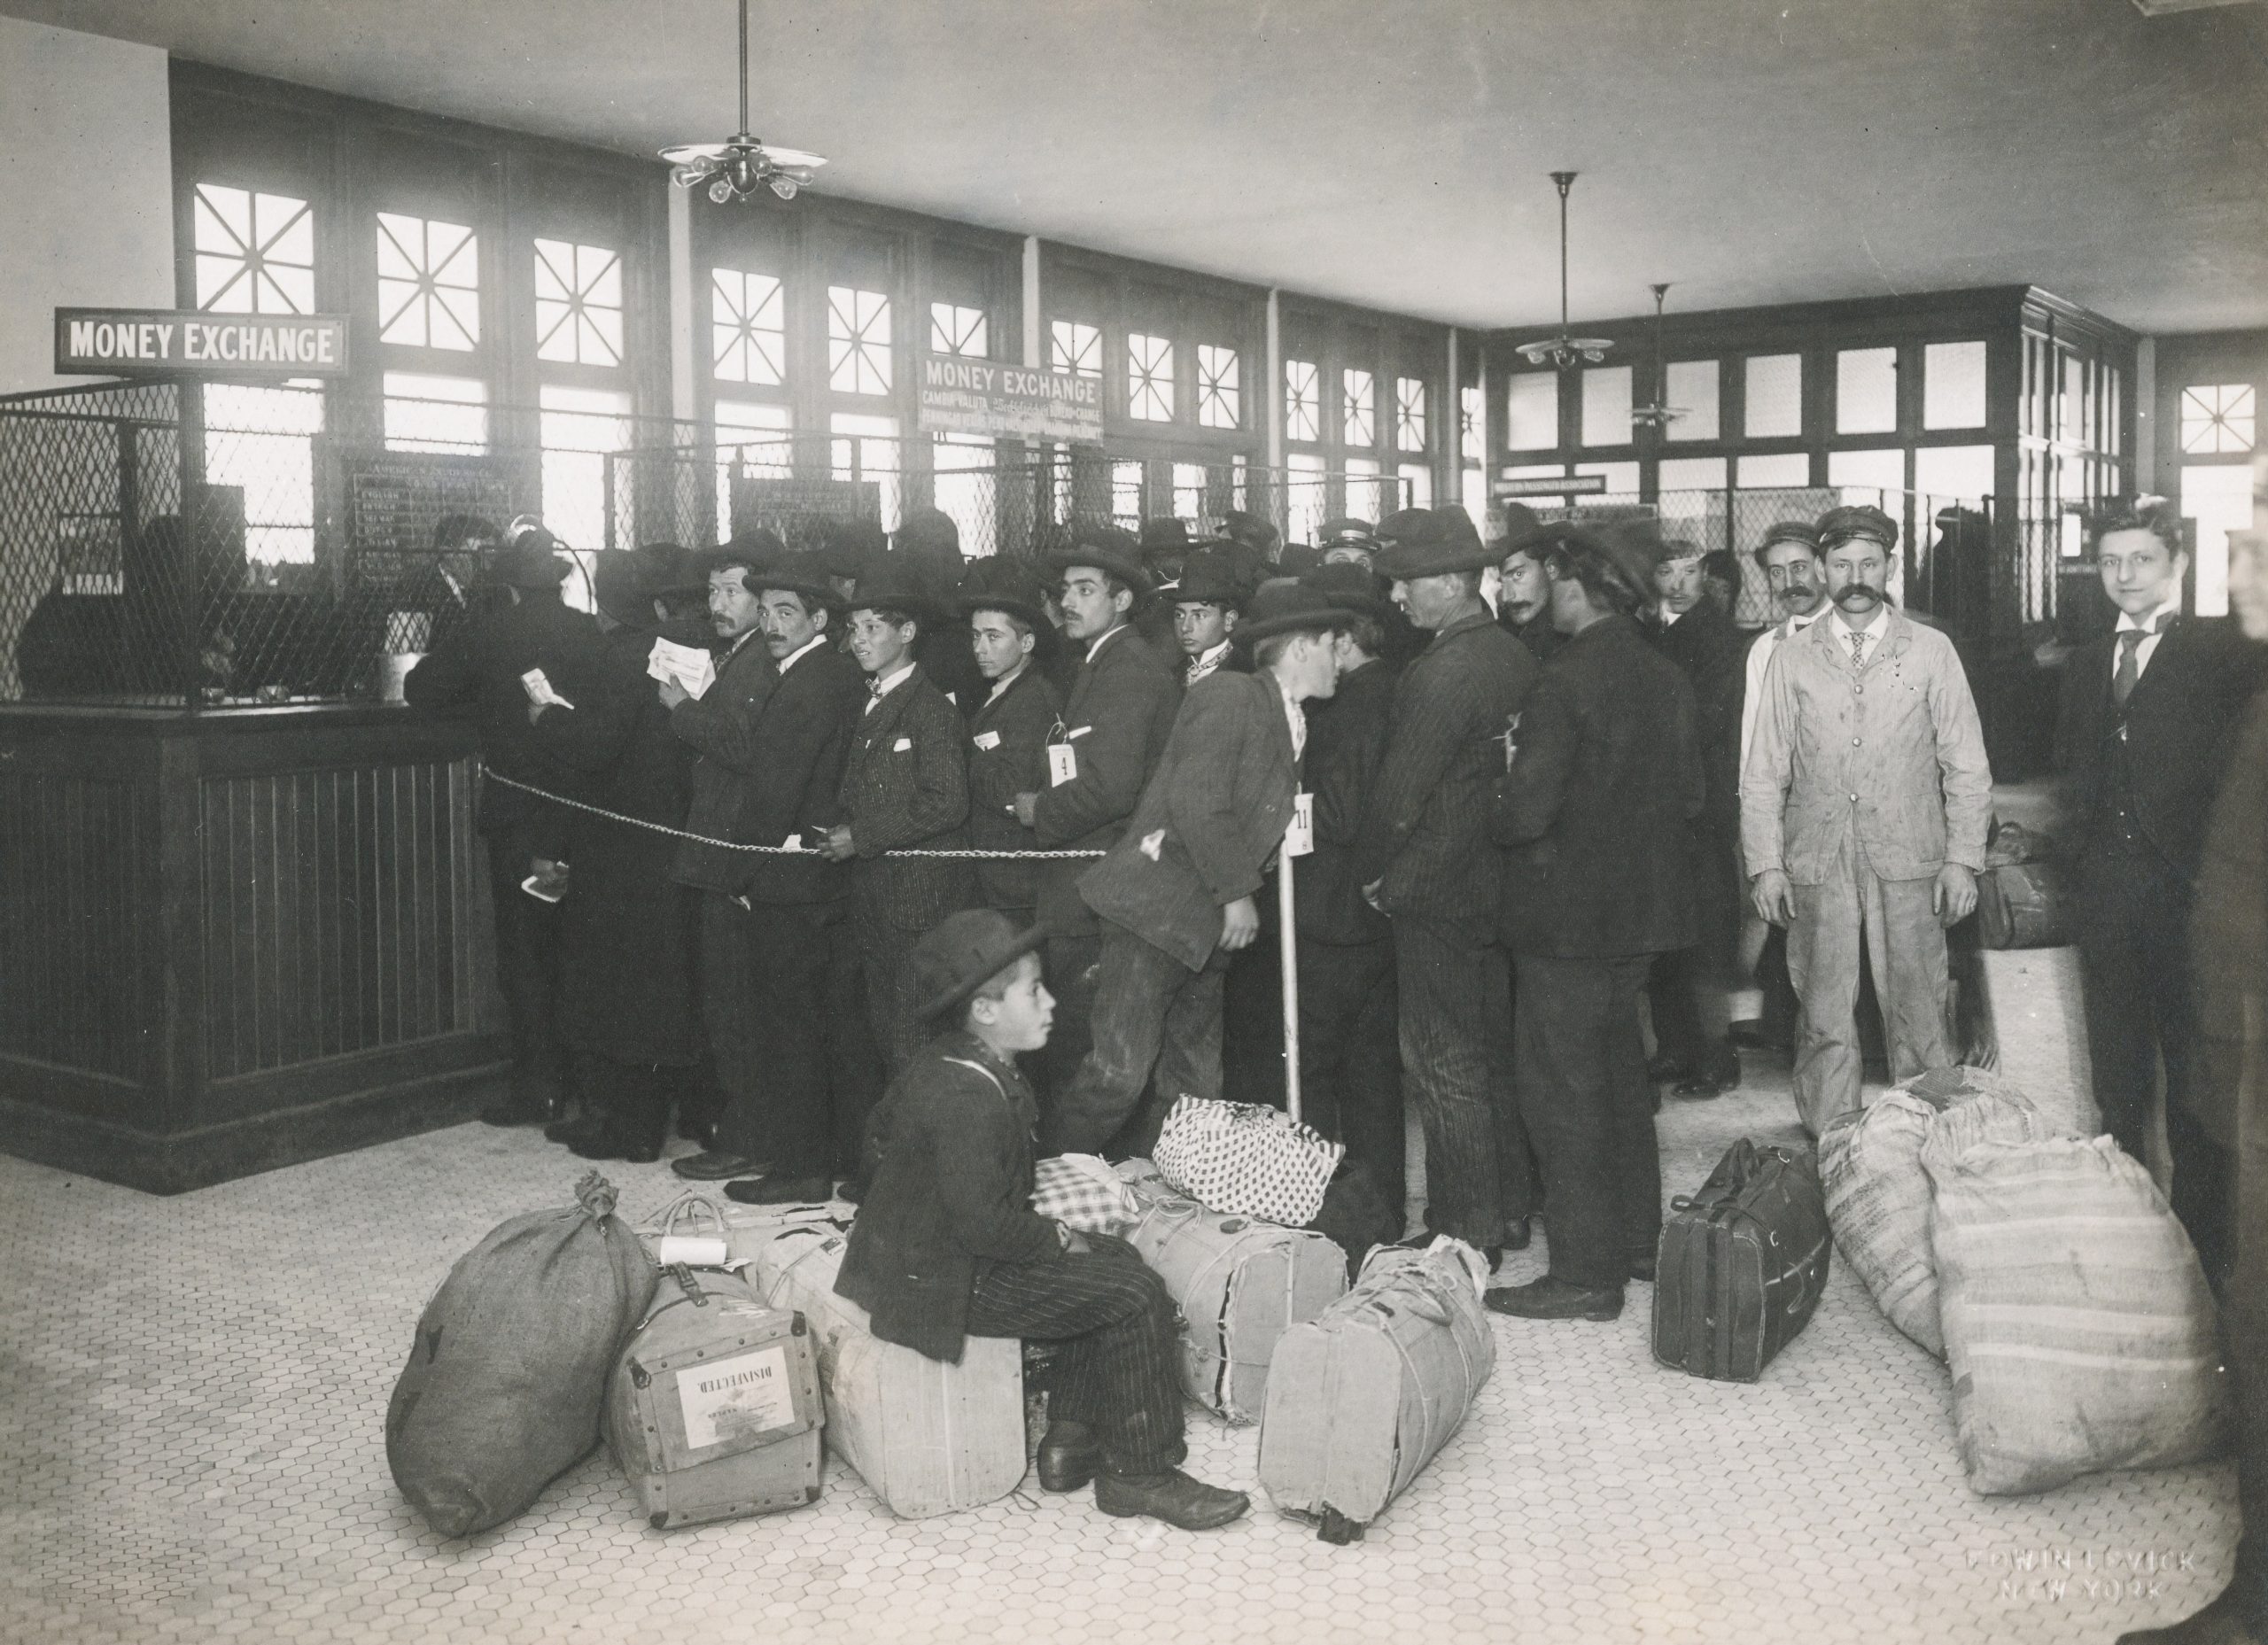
[1394, 154]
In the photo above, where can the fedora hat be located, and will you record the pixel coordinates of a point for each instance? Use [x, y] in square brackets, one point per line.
[1164, 536]
[666, 568]
[618, 588]
[1422, 542]
[1286, 606]
[963, 953]
[999, 583]
[798, 574]
[752, 550]
[1351, 588]
[532, 562]
[1209, 578]
[892, 585]
[1107, 548]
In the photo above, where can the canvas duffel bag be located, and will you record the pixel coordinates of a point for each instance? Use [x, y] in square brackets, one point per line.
[1740, 1264]
[505, 1383]
[714, 1411]
[1238, 1282]
[927, 1437]
[1363, 1396]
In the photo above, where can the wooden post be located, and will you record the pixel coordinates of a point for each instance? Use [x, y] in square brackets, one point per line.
[1286, 937]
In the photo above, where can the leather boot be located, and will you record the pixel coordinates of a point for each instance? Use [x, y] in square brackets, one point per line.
[1549, 1297]
[1173, 1496]
[1069, 1457]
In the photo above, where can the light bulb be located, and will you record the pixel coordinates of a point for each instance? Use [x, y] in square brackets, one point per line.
[783, 185]
[686, 176]
[721, 190]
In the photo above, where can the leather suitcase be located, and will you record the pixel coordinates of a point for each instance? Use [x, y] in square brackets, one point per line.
[1238, 1282]
[926, 1436]
[714, 1409]
[1361, 1397]
[2021, 905]
[1741, 1265]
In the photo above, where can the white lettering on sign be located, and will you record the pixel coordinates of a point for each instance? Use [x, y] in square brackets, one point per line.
[736, 1398]
[100, 337]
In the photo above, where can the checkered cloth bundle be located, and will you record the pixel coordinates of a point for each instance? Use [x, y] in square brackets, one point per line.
[1081, 1191]
[1243, 1159]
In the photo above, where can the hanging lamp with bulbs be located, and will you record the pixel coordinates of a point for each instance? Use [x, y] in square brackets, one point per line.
[1565, 349]
[1657, 414]
[738, 169]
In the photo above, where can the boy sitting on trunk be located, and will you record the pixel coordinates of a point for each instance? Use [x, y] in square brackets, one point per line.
[946, 1244]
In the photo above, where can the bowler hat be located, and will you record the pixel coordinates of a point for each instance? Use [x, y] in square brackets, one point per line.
[1520, 523]
[1420, 542]
[752, 550]
[798, 574]
[667, 569]
[892, 583]
[963, 953]
[929, 528]
[1208, 578]
[1250, 528]
[1351, 588]
[1000, 583]
[846, 545]
[530, 562]
[1166, 536]
[1284, 606]
[1105, 548]
[1838, 526]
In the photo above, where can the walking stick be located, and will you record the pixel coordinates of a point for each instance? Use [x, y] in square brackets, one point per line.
[1287, 941]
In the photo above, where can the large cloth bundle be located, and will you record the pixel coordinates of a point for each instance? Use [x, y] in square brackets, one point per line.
[503, 1388]
[1741, 1265]
[1238, 1282]
[1361, 1397]
[2077, 1320]
[927, 1437]
[1247, 1161]
[1081, 1191]
[714, 1410]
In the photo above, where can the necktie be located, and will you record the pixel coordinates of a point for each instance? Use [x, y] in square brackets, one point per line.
[2130, 659]
[1858, 647]
[874, 694]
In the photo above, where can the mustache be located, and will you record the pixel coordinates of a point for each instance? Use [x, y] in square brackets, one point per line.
[1860, 592]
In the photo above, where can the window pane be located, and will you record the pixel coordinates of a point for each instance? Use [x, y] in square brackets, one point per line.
[1469, 410]
[1126, 494]
[1217, 398]
[259, 439]
[1362, 488]
[1418, 486]
[1866, 390]
[857, 341]
[1307, 504]
[1473, 491]
[1869, 472]
[2218, 420]
[1359, 403]
[1532, 411]
[1692, 474]
[963, 487]
[1774, 473]
[435, 414]
[578, 427]
[1189, 491]
[748, 327]
[1607, 406]
[255, 253]
[1149, 378]
[578, 304]
[1693, 390]
[957, 331]
[1961, 473]
[1409, 415]
[742, 427]
[1074, 348]
[1621, 483]
[865, 449]
[429, 284]
[1776, 396]
[1953, 385]
[1303, 400]
[2218, 496]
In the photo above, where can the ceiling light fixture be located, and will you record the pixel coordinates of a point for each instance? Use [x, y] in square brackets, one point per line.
[1564, 351]
[1656, 414]
[737, 169]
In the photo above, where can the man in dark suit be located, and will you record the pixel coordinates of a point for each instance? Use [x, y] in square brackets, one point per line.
[1350, 1050]
[1593, 814]
[719, 726]
[1206, 602]
[1176, 894]
[2150, 713]
[1009, 723]
[483, 666]
[904, 786]
[947, 1246]
[1425, 862]
[1524, 599]
[1690, 987]
[804, 1002]
[1116, 719]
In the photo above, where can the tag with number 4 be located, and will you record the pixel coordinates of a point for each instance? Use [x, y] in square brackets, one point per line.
[1062, 764]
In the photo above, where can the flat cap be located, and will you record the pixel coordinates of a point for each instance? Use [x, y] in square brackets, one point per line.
[1838, 526]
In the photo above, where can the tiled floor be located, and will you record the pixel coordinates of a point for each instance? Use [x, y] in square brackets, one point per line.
[191, 1392]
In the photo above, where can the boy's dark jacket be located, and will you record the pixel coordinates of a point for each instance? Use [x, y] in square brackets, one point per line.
[949, 1156]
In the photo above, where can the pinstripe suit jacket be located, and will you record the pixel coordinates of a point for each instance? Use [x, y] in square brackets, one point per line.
[906, 782]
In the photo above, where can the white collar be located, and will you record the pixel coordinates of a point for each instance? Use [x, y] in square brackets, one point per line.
[999, 685]
[1669, 616]
[1094, 646]
[2148, 624]
[881, 685]
[1873, 631]
[797, 655]
[1797, 624]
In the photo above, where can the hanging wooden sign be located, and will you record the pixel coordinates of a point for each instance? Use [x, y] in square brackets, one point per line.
[107, 341]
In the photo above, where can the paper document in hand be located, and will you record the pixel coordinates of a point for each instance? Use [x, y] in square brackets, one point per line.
[693, 668]
[540, 690]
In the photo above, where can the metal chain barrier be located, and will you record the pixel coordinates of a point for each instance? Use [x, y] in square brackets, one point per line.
[769, 851]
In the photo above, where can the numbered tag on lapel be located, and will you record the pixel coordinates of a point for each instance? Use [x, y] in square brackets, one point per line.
[1299, 833]
[1062, 764]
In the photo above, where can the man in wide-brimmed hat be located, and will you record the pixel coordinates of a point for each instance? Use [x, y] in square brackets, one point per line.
[1176, 894]
[1115, 720]
[1592, 812]
[1205, 605]
[1427, 863]
[1008, 724]
[947, 1246]
[904, 786]
[486, 666]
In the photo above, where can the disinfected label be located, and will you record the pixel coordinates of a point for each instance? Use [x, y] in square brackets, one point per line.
[728, 1400]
